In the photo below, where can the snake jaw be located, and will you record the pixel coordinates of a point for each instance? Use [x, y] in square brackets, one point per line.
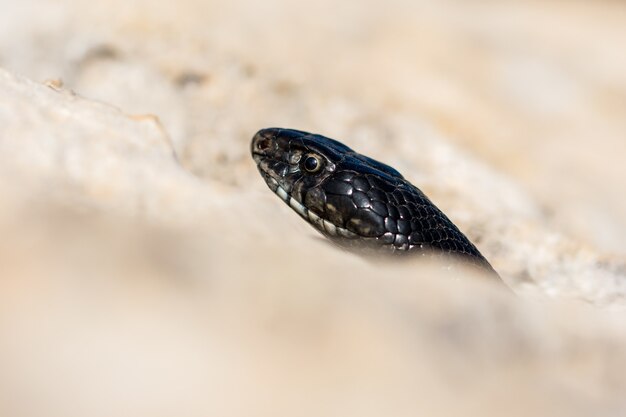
[322, 225]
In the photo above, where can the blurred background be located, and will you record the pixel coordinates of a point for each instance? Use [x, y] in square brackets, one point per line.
[129, 200]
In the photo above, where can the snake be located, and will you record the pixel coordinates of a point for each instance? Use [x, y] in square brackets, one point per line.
[355, 201]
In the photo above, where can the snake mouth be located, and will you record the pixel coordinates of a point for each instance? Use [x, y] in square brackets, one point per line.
[258, 157]
[269, 175]
[270, 181]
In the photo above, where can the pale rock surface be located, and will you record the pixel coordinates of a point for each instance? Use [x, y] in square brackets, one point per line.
[146, 270]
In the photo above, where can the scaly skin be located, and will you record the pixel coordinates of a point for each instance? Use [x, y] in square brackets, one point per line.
[355, 201]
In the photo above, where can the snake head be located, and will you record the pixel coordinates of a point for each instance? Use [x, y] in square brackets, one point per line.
[355, 201]
[328, 184]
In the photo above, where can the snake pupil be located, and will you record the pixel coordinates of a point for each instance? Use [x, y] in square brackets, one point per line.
[311, 164]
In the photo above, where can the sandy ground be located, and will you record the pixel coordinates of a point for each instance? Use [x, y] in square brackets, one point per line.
[147, 270]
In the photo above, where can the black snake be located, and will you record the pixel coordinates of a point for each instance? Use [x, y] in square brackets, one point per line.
[355, 201]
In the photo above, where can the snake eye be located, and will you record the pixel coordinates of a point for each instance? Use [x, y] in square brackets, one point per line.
[312, 163]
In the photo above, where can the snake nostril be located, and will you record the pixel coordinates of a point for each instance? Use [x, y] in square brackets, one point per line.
[263, 144]
[265, 141]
